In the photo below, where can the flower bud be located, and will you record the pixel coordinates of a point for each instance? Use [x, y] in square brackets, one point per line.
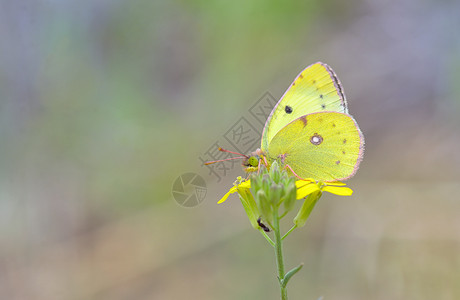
[307, 206]
[275, 173]
[289, 197]
[264, 205]
[276, 191]
[250, 206]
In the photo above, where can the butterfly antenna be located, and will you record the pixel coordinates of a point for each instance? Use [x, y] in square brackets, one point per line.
[216, 161]
[224, 150]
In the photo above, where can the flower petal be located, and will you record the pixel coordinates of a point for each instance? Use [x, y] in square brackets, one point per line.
[338, 190]
[245, 184]
[231, 191]
[306, 190]
[302, 183]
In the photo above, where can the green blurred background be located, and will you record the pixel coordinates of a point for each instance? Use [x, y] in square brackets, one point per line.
[103, 104]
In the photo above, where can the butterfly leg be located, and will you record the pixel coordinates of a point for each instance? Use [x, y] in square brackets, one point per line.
[265, 160]
[289, 167]
[258, 167]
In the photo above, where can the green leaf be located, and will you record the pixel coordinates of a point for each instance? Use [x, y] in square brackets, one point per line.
[290, 274]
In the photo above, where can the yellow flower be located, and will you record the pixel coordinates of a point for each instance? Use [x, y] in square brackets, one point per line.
[308, 186]
[238, 184]
[266, 192]
[304, 188]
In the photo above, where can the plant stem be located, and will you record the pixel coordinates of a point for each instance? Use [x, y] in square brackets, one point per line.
[287, 233]
[269, 240]
[279, 254]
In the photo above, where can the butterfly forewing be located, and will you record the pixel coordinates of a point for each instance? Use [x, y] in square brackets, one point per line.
[326, 146]
[315, 89]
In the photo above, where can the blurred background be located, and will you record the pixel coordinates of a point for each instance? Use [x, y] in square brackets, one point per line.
[104, 104]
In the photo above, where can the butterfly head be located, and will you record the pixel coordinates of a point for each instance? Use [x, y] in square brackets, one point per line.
[254, 160]
[251, 161]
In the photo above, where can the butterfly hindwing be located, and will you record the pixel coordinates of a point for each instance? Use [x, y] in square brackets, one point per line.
[315, 89]
[327, 146]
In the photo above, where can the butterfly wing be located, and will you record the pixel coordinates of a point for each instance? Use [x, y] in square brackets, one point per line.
[315, 89]
[326, 146]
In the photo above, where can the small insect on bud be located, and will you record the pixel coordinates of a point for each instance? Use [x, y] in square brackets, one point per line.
[262, 225]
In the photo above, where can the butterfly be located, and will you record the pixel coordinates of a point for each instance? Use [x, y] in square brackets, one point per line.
[309, 131]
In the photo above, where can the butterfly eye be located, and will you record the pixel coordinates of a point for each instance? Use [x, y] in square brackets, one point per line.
[253, 161]
[288, 109]
[316, 139]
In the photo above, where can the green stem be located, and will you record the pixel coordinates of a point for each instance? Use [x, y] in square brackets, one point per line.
[269, 240]
[279, 253]
[287, 233]
[285, 213]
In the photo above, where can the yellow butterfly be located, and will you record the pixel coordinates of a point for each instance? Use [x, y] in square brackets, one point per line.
[309, 131]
